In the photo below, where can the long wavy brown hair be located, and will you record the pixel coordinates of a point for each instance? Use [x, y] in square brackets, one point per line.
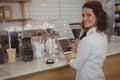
[101, 15]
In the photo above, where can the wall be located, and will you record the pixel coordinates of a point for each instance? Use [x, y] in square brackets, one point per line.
[56, 12]
[117, 1]
[109, 6]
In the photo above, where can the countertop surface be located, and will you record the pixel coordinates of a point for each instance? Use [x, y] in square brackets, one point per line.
[19, 68]
[8, 70]
[114, 45]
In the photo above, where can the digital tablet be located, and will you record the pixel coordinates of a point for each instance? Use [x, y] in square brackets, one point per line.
[64, 42]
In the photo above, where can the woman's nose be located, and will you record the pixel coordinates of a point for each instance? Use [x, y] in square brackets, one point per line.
[84, 18]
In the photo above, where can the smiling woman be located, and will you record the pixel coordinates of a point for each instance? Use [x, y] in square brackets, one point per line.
[92, 48]
[95, 15]
[88, 17]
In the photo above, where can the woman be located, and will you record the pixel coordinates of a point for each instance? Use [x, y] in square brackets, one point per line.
[92, 49]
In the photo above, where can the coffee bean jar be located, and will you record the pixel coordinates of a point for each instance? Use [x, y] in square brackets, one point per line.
[27, 52]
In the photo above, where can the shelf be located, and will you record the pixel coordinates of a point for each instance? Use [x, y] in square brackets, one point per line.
[15, 0]
[16, 19]
[23, 18]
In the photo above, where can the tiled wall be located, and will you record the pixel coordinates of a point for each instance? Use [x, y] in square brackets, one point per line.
[54, 11]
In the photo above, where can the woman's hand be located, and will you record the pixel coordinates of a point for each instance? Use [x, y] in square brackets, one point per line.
[68, 57]
[73, 47]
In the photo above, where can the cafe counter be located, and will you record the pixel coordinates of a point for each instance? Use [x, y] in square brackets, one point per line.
[60, 70]
[20, 68]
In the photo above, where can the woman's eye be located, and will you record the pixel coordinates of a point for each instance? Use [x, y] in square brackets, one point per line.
[83, 15]
[88, 14]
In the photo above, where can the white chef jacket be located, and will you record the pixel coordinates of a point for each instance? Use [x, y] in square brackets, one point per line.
[90, 57]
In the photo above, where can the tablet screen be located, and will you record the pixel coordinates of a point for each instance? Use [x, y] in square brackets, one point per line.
[64, 43]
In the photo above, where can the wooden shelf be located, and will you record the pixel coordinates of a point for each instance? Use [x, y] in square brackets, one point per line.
[23, 18]
[16, 19]
[15, 0]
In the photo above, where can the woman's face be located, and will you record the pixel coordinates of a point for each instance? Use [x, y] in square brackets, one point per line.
[88, 17]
